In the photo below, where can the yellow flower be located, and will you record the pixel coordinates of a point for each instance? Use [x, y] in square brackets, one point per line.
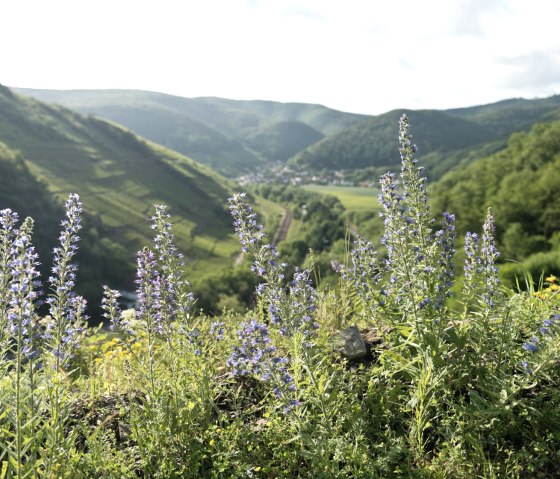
[551, 279]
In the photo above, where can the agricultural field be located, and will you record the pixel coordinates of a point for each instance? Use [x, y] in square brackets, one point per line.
[353, 198]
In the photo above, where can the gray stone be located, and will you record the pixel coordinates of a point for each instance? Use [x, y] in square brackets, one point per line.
[351, 344]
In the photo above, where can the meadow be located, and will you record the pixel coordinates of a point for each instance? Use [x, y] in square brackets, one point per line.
[461, 389]
[353, 198]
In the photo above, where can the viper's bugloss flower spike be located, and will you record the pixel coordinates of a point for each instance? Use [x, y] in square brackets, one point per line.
[8, 221]
[488, 256]
[148, 287]
[66, 309]
[112, 311]
[303, 304]
[174, 299]
[472, 260]
[290, 307]
[445, 239]
[417, 213]
[23, 298]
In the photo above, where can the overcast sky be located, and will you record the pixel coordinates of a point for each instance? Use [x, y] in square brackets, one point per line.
[366, 56]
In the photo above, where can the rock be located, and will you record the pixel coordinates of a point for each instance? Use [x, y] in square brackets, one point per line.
[124, 431]
[351, 344]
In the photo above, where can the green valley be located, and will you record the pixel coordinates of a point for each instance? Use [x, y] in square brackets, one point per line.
[119, 177]
[232, 137]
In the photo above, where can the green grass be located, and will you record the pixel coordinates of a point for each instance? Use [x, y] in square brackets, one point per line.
[353, 198]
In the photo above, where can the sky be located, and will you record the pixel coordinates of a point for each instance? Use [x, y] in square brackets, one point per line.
[363, 56]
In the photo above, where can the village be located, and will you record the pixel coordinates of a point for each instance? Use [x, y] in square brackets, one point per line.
[280, 172]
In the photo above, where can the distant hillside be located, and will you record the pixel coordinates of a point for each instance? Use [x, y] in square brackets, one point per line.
[102, 259]
[230, 136]
[282, 139]
[118, 175]
[238, 136]
[444, 138]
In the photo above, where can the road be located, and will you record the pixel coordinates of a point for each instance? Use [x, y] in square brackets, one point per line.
[280, 234]
[283, 227]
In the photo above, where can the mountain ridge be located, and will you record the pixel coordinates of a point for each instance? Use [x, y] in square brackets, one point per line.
[222, 132]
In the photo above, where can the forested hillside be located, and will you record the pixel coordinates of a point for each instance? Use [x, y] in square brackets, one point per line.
[522, 184]
[238, 136]
[444, 138]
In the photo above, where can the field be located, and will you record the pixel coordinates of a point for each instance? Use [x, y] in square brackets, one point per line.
[353, 198]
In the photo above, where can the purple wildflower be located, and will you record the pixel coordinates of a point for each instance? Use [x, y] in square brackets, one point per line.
[174, 298]
[22, 318]
[66, 309]
[148, 291]
[488, 256]
[256, 356]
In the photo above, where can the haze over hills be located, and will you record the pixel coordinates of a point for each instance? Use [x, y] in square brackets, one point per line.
[235, 136]
[230, 136]
[119, 177]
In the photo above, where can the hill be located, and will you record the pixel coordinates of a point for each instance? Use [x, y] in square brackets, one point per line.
[119, 177]
[228, 135]
[237, 136]
[282, 139]
[445, 138]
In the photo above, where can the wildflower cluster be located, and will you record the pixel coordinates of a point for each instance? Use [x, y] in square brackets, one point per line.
[290, 307]
[256, 356]
[414, 277]
[547, 331]
[551, 289]
[164, 299]
[549, 327]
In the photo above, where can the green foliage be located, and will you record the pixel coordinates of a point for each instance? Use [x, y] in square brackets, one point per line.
[521, 183]
[446, 389]
[445, 138]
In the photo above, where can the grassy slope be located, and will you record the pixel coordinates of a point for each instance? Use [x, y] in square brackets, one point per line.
[120, 176]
